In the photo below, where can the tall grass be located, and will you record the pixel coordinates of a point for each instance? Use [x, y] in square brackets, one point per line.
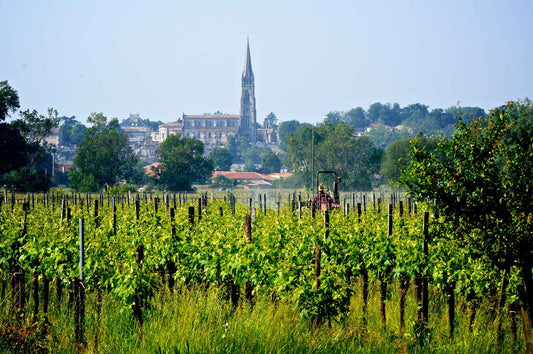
[199, 320]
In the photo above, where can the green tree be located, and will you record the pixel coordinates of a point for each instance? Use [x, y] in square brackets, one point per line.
[224, 182]
[9, 100]
[154, 125]
[480, 182]
[72, 131]
[270, 162]
[356, 117]
[271, 121]
[396, 156]
[237, 146]
[221, 158]
[35, 168]
[336, 148]
[466, 113]
[334, 117]
[252, 157]
[182, 163]
[104, 156]
[285, 128]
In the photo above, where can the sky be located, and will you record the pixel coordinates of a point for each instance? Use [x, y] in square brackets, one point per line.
[163, 58]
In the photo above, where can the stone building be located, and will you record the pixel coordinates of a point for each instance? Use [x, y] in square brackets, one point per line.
[214, 129]
[139, 136]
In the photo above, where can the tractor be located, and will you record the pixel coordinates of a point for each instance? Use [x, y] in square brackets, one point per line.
[324, 200]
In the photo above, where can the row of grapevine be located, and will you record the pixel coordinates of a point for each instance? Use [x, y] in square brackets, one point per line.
[135, 244]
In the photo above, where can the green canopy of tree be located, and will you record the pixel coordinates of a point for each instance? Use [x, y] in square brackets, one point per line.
[271, 121]
[104, 156]
[26, 154]
[224, 182]
[252, 157]
[72, 131]
[182, 163]
[237, 146]
[154, 125]
[396, 156]
[9, 100]
[479, 181]
[285, 128]
[221, 158]
[270, 162]
[356, 159]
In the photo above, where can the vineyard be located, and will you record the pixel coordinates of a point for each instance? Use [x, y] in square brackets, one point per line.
[257, 272]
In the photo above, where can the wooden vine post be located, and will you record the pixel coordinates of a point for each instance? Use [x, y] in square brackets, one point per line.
[171, 266]
[248, 290]
[79, 293]
[191, 218]
[138, 298]
[383, 282]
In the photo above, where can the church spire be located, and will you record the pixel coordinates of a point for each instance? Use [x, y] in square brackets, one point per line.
[247, 74]
[248, 113]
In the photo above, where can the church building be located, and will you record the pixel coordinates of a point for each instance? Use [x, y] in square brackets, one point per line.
[214, 129]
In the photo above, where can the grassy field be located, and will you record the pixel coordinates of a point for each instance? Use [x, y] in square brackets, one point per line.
[200, 320]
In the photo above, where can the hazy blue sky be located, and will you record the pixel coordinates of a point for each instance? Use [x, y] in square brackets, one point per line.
[164, 58]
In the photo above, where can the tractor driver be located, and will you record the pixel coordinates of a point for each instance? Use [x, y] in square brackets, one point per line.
[322, 199]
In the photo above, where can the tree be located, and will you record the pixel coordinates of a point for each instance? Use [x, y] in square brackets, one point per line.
[224, 182]
[104, 156]
[182, 163]
[271, 121]
[396, 156]
[285, 128]
[466, 113]
[336, 148]
[72, 131]
[35, 165]
[270, 162]
[252, 157]
[9, 100]
[334, 117]
[154, 125]
[237, 145]
[356, 117]
[221, 158]
[384, 113]
[479, 181]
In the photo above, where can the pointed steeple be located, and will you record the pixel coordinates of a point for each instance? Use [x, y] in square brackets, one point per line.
[247, 74]
[248, 113]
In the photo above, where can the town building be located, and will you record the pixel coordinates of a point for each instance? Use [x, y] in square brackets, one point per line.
[139, 136]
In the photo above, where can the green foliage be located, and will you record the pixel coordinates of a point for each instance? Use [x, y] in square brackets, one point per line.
[13, 146]
[103, 158]
[286, 128]
[72, 131]
[237, 146]
[278, 263]
[270, 162]
[271, 121]
[27, 158]
[396, 156]
[222, 158]
[336, 148]
[182, 163]
[9, 100]
[480, 182]
[224, 182]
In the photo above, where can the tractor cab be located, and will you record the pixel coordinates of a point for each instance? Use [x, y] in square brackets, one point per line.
[322, 199]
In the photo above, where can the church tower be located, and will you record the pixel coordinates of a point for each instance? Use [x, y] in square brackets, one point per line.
[248, 118]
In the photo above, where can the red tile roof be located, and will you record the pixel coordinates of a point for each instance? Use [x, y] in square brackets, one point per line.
[243, 175]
